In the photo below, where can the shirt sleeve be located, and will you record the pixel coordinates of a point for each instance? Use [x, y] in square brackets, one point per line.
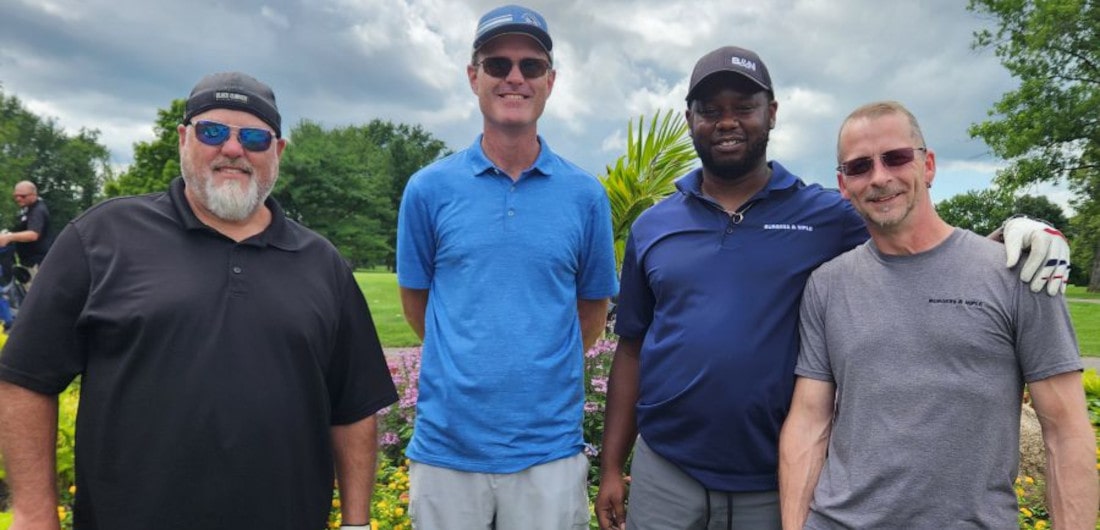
[46, 349]
[634, 312]
[359, 380]
[37, 220]
[813, 355]
[415, 239]
[1046, 344]
[596, 278]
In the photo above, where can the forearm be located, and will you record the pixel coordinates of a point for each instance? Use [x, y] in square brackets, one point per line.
[355, 448]
[803, 442]
[28, 439]
[1071, 481]
[620, 421]
[593, 319]
[1070, 450]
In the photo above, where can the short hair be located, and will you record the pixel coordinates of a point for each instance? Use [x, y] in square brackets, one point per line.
[879, 109]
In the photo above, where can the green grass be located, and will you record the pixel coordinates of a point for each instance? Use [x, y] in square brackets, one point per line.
[1078, 291]
[384, 299]
[1086, 320]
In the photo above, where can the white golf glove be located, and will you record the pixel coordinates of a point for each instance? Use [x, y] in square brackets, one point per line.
[1048, 260]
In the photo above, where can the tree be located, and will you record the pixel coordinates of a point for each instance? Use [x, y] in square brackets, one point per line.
[1047, 128]
[346, 183]
[654, 159]
[68, 169]
[156, 162]
[983, 211]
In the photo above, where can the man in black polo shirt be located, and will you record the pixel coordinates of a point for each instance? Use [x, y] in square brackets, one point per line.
[229, 362]
[31, 235]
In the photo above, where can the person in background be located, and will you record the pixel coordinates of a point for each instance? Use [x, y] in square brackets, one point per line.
[229, 364]
[708, 315]
[31, 235]
[506, 264]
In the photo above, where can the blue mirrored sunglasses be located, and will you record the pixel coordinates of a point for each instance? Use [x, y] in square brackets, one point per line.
[215, 134]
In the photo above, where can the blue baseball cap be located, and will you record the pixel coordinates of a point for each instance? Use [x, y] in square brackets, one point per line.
[512, 20]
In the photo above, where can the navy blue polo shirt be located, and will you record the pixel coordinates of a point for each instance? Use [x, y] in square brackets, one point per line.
[716, 304]
[212, 371]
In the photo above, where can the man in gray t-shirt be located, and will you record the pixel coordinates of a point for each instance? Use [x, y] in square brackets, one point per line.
[915, 349]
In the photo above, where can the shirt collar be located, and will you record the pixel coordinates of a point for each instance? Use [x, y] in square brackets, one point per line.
[481, 165]
[781, 179]
[281, 233]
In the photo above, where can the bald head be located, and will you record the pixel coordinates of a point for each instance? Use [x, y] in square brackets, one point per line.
[25, 193]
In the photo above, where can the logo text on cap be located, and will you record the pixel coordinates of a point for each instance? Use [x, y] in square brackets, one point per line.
[743, 63]
[231, 96]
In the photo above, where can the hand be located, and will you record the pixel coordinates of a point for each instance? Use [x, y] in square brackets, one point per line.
[610, 502]
[355, 527]
[1048, 260]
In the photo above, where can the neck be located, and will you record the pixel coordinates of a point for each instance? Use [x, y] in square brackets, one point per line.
[511, 151]
[732, 194]
[913, 239]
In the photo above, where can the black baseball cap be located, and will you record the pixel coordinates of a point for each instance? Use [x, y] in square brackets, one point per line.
[745, 63]
[237, 91]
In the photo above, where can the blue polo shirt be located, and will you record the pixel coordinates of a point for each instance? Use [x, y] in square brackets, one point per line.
[716, 303]
[504, 263]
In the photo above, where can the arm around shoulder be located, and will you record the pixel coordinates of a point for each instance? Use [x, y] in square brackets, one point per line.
[802, 445]
[1070, 448]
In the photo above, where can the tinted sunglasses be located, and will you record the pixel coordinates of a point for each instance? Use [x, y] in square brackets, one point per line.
[500, 67]
[215, 134]
[892, 158]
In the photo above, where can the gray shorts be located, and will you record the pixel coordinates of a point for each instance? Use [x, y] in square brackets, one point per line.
[550, 496]
[662, 497]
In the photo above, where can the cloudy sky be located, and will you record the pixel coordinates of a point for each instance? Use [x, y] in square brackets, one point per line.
[110, 64]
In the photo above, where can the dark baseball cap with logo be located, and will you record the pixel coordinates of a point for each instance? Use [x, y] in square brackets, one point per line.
[513, 20]
[237, 91]
[732, 59]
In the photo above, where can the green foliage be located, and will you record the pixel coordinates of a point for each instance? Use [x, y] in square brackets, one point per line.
[983, 211]
[68, 169]
[1084, 238]
[156, 162]
[346, 183]
[1047, 127]
[647, 172]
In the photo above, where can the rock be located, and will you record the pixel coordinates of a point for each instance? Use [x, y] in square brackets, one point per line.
[1033, 462]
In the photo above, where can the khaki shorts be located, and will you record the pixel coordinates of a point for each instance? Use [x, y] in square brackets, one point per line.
[550, 496]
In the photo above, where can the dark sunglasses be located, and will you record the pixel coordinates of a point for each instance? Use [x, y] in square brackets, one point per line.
[214, 133]
[500, 67]
[892, 158]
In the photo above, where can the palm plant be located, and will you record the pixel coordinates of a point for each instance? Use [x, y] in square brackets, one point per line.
[647, 172]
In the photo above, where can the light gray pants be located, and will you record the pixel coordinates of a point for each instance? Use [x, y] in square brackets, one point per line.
[550, 496]
[662, 497]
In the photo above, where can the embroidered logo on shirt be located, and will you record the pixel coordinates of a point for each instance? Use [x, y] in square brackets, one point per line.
[783, 226]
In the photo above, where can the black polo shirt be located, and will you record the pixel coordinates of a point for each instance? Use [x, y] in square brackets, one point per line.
[36, 218]
[212, 370]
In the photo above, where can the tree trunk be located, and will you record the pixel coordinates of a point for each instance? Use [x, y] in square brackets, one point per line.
[1094, 276]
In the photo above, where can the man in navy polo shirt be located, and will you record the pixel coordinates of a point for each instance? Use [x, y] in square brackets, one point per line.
[708, 310]
[505, 262]
[229, 365]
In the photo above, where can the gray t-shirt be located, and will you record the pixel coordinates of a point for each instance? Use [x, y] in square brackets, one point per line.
[929, 354]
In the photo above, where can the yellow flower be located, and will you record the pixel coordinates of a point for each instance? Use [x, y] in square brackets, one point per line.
[335, 503]
[1020, 492]
[1029, 480]
[374, 524]
[1026, 512]
[1040, 525]
[61, 513]
[72, 490]
[398, 511]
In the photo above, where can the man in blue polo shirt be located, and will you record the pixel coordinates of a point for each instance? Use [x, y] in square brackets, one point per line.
[505, 261]
[708, 312]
